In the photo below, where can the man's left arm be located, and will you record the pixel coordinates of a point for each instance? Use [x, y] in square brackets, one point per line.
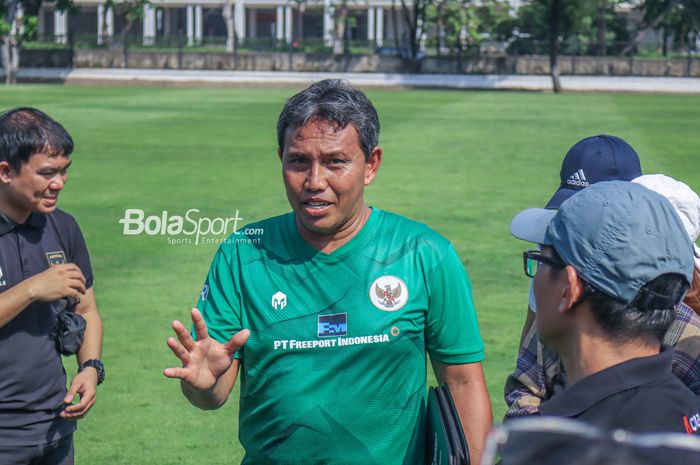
[468, 388]
[84, 384]
[456, 348]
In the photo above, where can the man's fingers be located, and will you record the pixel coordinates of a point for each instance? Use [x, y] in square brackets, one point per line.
[70, 395]
[179, 351]
[183, 336]
[179, 373]
[237, 341]
[78, 285]
[200, 327]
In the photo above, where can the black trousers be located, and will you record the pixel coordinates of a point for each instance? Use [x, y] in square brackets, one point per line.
[59, 452]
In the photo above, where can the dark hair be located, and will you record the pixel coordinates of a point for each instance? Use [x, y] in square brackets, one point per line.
[692, 298]
[647, 317]
[28, 131]
[337, 102]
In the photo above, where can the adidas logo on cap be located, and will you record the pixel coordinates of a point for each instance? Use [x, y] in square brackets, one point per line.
[578, 179]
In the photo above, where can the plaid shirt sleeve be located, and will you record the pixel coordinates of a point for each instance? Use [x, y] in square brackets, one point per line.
[684, 336]
[536, 371]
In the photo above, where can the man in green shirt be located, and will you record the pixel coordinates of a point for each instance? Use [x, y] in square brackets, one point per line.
[328, 311]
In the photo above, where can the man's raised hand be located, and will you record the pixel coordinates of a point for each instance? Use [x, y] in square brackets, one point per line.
[203, 360]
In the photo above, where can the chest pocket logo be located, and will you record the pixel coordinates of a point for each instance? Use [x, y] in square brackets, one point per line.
[388, 293]
[56, 258]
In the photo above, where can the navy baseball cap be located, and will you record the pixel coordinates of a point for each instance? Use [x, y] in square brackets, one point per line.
[618, 236]
[592, 160]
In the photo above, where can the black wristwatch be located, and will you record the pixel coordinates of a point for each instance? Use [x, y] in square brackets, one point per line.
[97, 365]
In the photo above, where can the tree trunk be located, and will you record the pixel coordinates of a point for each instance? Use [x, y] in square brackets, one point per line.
[125, 42]
[227, 13]
[602, 28]
[664, 46]
[10, 59]
[340, 16]
[554, 15]
[440, 29]
[397, 42]
[653, 25]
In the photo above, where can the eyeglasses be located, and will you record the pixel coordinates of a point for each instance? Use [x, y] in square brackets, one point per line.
[532, 260]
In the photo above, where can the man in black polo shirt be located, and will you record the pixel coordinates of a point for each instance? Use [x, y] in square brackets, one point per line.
[615, 260]
[44, 267]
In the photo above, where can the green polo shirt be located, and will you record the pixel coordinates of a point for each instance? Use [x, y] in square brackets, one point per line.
[335, 367]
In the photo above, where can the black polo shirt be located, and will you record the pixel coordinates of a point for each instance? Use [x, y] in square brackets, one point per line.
[641, 395]
[32, 379]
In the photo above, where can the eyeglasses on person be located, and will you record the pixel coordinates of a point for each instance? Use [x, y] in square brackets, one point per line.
[532, 260]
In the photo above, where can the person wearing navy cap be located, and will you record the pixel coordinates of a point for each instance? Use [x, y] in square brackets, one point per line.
[589, 161]
[613, 262]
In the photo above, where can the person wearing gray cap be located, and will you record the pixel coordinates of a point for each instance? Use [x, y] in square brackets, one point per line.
[614, 261]
[591, 160]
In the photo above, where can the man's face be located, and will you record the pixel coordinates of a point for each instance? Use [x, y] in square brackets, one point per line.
[549, 283]
[325, 175]
[36, 186]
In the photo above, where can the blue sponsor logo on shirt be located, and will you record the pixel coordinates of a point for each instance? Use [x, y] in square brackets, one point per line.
[333, 325]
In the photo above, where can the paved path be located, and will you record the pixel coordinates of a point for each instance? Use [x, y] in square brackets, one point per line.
[452, 81]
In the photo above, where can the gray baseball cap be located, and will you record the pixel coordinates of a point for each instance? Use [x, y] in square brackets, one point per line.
[617, 235]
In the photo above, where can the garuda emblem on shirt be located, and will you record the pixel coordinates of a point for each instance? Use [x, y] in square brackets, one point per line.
[388, 293]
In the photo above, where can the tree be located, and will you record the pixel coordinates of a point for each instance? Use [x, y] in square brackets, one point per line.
[21, 15]
[679, 19]
[415, 19]
[227, 13]
[462, 25]
[556, 21]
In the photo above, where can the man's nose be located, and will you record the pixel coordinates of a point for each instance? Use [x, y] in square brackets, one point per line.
[316, 178]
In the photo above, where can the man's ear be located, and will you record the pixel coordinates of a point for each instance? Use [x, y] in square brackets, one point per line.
[573, 290]
[7, 174]
[372, 165]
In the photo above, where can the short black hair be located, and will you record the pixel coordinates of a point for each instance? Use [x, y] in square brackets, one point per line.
[27, 131]
[337, 102]
[638, 320]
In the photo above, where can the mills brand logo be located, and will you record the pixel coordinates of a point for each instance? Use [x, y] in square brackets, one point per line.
[279, 300]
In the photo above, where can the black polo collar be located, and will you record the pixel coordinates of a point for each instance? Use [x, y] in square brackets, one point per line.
[7, 224]
[592, 389]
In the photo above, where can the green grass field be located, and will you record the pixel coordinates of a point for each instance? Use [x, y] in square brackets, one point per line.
[462, 162]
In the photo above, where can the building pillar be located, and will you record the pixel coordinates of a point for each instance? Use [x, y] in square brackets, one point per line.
[328, 23]
[280, 23]
[379, 23]
[149, 25]
[370, 24]
[190, 25]
[40, 22]
[252, 23]
[288, 23]
[60, 26]
[102, 18]
[198, 24]
[167, 22]
[239, 19]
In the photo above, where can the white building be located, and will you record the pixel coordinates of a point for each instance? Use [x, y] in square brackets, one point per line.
[202, 21]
